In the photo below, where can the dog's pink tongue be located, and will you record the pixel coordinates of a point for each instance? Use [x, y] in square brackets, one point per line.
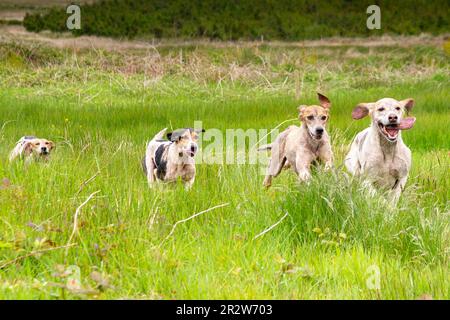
[407, 123]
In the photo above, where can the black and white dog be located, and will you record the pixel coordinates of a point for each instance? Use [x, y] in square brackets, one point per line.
[168, 160]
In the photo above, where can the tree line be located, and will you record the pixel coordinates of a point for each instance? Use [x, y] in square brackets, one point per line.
[246, 19]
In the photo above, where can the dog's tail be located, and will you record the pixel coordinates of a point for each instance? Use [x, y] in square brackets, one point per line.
[14, 154]
[160, 135]
[18, 149]
[265, 147]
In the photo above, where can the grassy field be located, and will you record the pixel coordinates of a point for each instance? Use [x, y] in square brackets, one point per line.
[101, 107]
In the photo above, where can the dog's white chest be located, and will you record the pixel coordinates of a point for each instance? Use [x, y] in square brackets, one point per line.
[185, 171]
[386, 170]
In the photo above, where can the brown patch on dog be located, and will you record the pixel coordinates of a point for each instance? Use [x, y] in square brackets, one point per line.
[324, 101]
[185, 138]
[311, 113]
[361, 111]
[307, 113]
[50, 144]
[408, 104]
[28, 148]
[194, 135]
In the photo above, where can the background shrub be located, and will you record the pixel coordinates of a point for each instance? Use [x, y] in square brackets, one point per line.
[246, 19]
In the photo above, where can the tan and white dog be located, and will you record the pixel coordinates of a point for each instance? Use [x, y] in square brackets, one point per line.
[30, 147]
[168, 160]
[299, 147]
[378, 152]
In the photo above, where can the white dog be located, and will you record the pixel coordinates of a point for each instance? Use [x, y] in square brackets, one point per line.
[378, 152]
[30, 147]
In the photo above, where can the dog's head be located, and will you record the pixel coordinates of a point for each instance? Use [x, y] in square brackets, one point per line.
[39, 147]
[186, 140]
[315, 117]
[387, 116]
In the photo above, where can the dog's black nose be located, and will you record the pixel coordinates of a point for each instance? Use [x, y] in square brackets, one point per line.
[44, 149]
[319, 130]
[393, 118]
[193, 148]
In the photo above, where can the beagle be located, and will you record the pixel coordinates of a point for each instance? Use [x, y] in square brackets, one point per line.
[299, 147]
[30, 147]
[168, 160]
[378, 152]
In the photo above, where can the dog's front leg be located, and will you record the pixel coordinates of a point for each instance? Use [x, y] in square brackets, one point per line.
[397, 191]
[304, 174]
[302, 168]
[28, 159]
[326, 155]
[188, 176]
[188, 184]
[352, 159]
[367, 184]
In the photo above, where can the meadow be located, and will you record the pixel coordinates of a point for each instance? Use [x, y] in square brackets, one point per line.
[329, 239]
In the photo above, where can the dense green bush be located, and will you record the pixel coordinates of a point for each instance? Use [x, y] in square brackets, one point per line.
[247, 19]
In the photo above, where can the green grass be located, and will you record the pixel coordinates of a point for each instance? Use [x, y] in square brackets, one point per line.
[324, 247]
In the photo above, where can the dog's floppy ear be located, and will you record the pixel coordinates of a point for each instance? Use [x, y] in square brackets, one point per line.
[195, 133]
[408, 104]
[301, 109]
[360, 111]
[52, 145]
[174, 136]
[324, 101]
[28, 148]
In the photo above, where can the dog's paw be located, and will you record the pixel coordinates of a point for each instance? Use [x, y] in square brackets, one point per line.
[304, 176]
[267, 183]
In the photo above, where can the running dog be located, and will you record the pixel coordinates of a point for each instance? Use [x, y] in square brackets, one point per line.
[299, 147]
[30, 147]
[168, 160]
[378, 152]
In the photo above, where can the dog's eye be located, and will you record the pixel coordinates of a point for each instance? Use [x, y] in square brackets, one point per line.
[381, 109]
[310, 117]
[398, 108]
[47, 143]
[324, 118]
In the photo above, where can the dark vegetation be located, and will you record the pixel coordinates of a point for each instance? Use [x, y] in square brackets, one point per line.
[246, 19]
